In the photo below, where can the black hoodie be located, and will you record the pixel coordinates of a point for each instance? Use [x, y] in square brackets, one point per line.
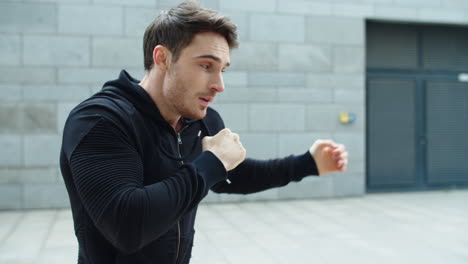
[135, 184]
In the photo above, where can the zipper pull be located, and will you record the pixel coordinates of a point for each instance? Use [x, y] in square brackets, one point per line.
[179, 140]
[228, 181]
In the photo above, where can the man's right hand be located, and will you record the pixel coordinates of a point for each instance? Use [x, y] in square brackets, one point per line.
[227, 147]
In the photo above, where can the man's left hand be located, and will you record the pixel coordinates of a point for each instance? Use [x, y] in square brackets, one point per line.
[329, 156]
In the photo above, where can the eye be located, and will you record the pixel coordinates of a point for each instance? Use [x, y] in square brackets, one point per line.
[205, 66]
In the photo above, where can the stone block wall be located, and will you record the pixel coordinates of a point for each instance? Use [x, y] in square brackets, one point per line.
[300, 63]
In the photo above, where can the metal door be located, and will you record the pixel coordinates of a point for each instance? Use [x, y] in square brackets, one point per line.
[417, 108]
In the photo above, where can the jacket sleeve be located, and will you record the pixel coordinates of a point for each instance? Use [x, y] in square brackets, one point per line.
[108, 175]
[257, 175]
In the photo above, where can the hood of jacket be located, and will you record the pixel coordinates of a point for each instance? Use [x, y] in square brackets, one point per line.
[128, 87]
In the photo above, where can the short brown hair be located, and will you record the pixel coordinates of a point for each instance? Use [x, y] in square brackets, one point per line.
[176, 28]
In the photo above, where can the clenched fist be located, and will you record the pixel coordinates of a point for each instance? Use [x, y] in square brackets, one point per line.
[329, 156]
[227, 147]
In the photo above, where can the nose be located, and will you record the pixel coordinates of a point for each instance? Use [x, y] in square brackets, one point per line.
[218, 84]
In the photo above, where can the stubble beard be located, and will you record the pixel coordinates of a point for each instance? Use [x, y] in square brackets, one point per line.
[188, 107]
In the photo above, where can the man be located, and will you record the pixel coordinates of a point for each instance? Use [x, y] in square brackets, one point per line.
[138, 157]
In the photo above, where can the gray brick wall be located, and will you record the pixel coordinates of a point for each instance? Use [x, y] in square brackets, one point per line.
[300, 58]
[28, 17]
[277, 28]
[95, 20]
[300, 64]
[55, 50]
[10, 54]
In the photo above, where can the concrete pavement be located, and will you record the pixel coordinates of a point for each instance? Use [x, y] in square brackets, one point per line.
[416, 227]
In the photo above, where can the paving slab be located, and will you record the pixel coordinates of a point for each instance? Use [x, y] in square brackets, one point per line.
[413, 227]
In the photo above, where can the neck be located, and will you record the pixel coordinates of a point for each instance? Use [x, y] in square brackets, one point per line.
[153, 82]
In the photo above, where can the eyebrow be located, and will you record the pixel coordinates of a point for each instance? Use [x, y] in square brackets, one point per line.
[216, 58]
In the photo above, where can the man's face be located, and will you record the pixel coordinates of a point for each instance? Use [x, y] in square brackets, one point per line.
[193, 81]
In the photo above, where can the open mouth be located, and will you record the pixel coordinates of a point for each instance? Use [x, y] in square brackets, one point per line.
[205, 101]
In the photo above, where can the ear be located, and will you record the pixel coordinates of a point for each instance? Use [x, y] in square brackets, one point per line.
[162, 57]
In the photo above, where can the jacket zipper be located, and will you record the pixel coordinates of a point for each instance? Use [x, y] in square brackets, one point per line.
[179, 144]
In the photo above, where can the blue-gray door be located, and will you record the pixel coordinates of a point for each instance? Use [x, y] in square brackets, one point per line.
[417, 108]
